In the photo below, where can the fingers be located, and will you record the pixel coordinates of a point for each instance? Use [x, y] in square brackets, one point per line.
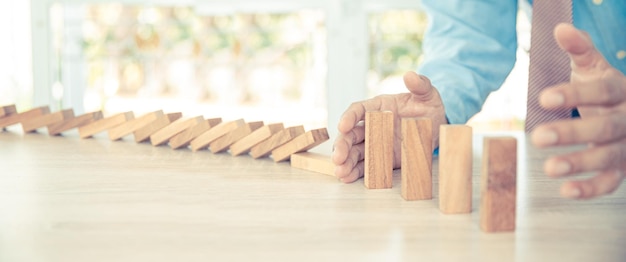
[356, 113]
[344, 143]
[419, 86]
[600, 129]
[349, 171]
[607, 89]
[579, 46]
[355, 173]
[604, 157]
[603, 183]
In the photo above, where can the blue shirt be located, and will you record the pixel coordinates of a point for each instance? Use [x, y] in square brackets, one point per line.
[470, 46]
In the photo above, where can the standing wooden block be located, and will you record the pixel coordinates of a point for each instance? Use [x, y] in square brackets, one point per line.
[104, 124]
[144, 133]
[133, 125]
[265, 148]
[7, 110]
[417, 158]
[183, 139]
[378, 149]
[498, 184]
[455, 169]
[313, 162]
[13, 119]
[163, 136]
[223, 143]
[245, 144]
[32, 124]
[58, 128]
[203, 140]
[299, 144]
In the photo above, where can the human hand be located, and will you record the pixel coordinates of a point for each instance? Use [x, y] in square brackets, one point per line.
[423, 100]
[599, 92]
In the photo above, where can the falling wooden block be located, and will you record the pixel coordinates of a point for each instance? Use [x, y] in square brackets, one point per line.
[455, 169]
[313, 162]
[144, 133]
[498, 184]
[133, 125]
[7, 110]
[58, 128]
[221, 144]
[299, 144]
[203, 140]
[163, 136]
[378, 149]
[245, 144]
[13, 119]
[32, 124]
[183, 139]
[265, 148]
[417, 158]
[104, 124]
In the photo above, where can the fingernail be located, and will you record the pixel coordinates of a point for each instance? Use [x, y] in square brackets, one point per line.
[572, 192]
[552, 99]
[545, 137]
[561, 168]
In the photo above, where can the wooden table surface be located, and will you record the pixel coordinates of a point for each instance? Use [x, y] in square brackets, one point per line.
[67, 199]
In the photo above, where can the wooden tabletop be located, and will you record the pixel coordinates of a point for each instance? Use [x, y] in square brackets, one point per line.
[71, 199]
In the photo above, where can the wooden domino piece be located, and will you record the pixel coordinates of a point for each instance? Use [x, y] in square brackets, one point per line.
[183, 139]
[7, 110]
[417, 158]
[265, 148]
[163, 135]
[223, 143]
[245, 144]
[144, 133]
[203, 140]
[455, 169]
[13, 119]
[314, 162]
[498, 184]
[58, 128]
[299, 144]
[34, 123]
[133, 125]
[378, 149]
[101, 125]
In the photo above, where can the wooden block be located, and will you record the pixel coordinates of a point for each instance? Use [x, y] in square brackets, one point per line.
[183, 139]
[265, 148]
[245, 144]
[498, 184]
[313, 162]
[223, 143]
[32, 124]
[144, 133]
[58, 128]
[13, 119]
[133, 125]
[455, 169]
[203, 140]
[7, 110]
[299, 144]
[163, 136]
[417, 159]
[378, 149]
[104, 124]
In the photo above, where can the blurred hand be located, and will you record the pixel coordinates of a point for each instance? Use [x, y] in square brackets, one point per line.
[422, 101]
[599, 92]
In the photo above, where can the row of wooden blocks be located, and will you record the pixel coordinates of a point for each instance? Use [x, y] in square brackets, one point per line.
[498, 173]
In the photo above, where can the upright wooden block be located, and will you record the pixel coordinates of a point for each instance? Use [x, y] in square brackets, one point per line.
[265, 148]
[143, 134]
[299, 144]
[58, 128]
[133, 125]
[7, 110]
[417, 158]
[163, 136]
[245, 144]
[183, 139]
[203, 140]
[104, 124]
[13, 119]
[32, 124]
[498, 184]
[455, 169]
[378, 149]
[313, 162]
[223, 143]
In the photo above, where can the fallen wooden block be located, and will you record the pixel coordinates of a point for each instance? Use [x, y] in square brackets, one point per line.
[417, 158]
[245, 144]
[101, 125]
[223, 143]
[34, 123]
[163, 135]
[455, 169]
[498, 184]
[203, 140]
[13, 119]
[133, 125]
[313, 162]
[144, 133]
[7, 110]
[299, 144]
[265, 148]
[184, 138]
[378, 149]
[58, 128]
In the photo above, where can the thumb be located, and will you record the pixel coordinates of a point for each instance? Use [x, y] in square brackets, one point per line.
[578, 46]
[419, 86]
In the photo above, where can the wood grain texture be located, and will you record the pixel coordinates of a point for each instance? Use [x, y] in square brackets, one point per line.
[245, 144]
[143, 134]
[163, 135]
[265, 148]
[7, 110]
[205, 139]
[498, 184]
[13, 119]
[104, 124]
[133, 125]
[223, 143]
[379, 132]
[455, 169]
[314, 162]
[417, 159]
[84, 119]
[182, 140]
[299, 144]
[34, 123]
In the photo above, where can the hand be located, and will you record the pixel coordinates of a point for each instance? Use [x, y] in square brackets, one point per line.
[422, 101]
[599, 92]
